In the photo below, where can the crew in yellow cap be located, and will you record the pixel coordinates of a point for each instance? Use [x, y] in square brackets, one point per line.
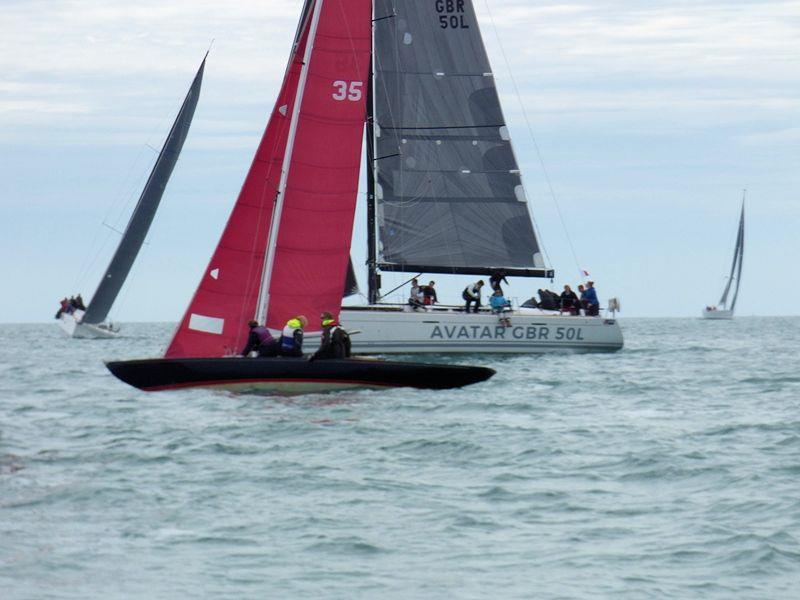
[292, 336]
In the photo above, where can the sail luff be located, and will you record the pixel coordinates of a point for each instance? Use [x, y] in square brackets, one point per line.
[739, 235]
[145, 210]
[272, 239]
[740, 254]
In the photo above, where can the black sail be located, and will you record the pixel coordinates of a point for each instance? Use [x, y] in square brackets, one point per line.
[142, 217]
[448, 192]
[736, 265]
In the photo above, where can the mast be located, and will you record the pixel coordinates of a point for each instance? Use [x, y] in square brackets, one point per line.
[144, 213]
[373, 279]
[272, 241]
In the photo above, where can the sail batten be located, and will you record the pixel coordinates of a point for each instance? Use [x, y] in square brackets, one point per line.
[448, 191]
[146, 207]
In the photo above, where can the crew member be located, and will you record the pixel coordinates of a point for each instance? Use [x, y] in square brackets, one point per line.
[495, 280]
[429, 294]
[415, 297]
[472, 293]
[260, 340]
[335, 341]
[569, 301]
[292, 336]
[592, 304]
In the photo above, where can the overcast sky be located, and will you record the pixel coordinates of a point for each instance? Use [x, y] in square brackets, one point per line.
[650, 117]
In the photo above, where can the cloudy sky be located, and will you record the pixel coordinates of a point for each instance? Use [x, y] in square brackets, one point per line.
[650, 119]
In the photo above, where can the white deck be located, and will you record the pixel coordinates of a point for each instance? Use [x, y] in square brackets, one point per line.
[385, 329]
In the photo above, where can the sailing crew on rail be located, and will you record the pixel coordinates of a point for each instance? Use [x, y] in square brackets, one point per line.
[335, 342]
[292, 336]
[415, 297]
[472, 293]
[260, 340]
[589, 300]
[429, 294]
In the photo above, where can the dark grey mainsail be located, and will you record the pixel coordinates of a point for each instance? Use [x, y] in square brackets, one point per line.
[448, 197]
[142, 217]
[736, 266]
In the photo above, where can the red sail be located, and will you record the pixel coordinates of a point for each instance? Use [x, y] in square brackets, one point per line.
[215, 323]
[316, 218]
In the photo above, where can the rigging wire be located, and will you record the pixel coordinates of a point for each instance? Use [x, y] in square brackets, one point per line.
[536, 147]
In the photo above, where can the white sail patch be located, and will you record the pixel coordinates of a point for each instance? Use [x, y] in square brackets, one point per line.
[519, 192]
[214, 273]
[282, 109]
[206, 324]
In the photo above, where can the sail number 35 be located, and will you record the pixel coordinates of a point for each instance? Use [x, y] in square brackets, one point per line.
[347, 90]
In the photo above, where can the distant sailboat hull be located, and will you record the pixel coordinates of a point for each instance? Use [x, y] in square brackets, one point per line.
[394, 329]
[290, 375]
[718, 314]
[72, 325]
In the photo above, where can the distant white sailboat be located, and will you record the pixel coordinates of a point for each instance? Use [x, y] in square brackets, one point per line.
[723, 310]
[90, 321]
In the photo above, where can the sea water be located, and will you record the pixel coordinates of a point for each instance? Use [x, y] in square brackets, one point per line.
[668, 470]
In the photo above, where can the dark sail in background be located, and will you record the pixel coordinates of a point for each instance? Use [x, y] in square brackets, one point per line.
[350, 281]
[736, 265]
[448, 193]
[145, 210]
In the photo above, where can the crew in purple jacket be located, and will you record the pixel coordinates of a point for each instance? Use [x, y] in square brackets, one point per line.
[260, 340]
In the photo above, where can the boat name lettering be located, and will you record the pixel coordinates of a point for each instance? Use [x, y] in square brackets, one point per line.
[451, 14]
[499, 332]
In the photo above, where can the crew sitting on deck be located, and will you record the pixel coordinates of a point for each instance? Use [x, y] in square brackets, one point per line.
[500, 306]
[260, 340]
[63, 308]
[569, 301]
[549, 300]
[335, 342]
[429, 294]
[415, 297]
[292, 336]
[589, 300]
[472, 293]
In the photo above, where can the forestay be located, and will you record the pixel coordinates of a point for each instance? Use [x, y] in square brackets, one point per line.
[448, 192]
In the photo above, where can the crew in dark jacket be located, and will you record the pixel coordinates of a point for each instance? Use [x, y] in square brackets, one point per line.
[260, 340]
[429, 294]
[569, 301]
[495, 280]
[335, 342]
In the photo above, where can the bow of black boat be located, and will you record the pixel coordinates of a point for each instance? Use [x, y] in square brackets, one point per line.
[291, 375]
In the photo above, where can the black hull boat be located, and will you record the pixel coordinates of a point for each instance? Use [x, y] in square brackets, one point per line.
[291, 375]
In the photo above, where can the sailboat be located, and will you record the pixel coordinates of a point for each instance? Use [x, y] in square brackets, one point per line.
[724, 310]
[285, 249]
[445, 193]
[91, 321]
